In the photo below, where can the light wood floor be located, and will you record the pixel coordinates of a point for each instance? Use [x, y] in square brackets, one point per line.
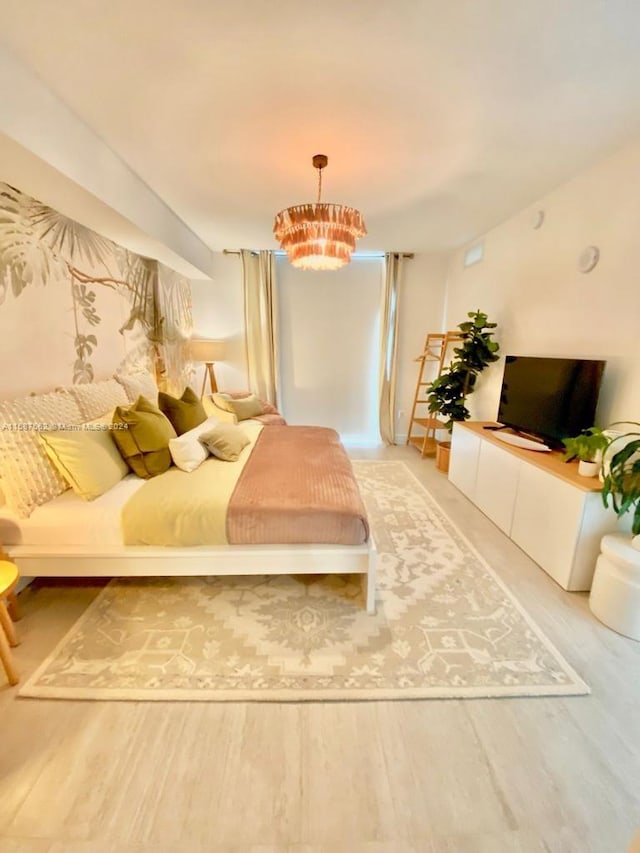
[473, 776]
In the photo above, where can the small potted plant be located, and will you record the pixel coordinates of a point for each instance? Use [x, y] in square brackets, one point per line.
[588, 448]
[621, 469]
[615, 593]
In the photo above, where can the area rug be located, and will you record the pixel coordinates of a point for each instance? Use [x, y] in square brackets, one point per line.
[446, 626]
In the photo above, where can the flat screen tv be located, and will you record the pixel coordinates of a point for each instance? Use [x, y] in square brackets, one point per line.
[550, 398]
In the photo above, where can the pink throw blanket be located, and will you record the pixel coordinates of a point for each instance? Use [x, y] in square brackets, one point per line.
[297, 487]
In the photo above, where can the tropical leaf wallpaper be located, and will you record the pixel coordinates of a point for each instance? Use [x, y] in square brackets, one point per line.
[74, 306]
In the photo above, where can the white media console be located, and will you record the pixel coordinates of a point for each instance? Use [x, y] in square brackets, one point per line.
[539, 501]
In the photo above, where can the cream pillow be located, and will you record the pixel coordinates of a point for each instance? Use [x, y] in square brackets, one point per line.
[98, 398]
[242, 407]
[139, 385]
[28, 476]
[225, 441]
[87, 458]
[187, 451]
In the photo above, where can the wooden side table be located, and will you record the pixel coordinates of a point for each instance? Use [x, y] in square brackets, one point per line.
[8, 637]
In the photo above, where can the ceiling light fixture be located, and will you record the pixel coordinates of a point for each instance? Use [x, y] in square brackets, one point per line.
[318, 235]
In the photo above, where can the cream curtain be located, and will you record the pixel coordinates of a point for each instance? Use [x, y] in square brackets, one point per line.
[393, 266]
[260, 322]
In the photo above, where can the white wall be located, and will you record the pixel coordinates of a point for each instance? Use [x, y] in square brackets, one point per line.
[329, 347]
[421, 310]
[529, 284]
[319, 313]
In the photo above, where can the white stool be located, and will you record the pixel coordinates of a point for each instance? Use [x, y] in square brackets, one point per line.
[615, 593]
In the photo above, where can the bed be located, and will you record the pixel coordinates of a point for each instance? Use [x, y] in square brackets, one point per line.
[289, 505]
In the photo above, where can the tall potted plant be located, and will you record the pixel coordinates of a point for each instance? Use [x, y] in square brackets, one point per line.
[448, 393]
[615, 593]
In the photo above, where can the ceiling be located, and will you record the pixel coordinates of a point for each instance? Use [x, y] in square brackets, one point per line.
[440, 119]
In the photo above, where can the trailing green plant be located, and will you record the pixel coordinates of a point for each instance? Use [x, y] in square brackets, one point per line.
[586, 446]
[447, 394]
[621, 468]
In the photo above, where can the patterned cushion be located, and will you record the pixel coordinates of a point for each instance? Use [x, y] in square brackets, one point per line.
[98, 398]
[28, 476]
[139, 385]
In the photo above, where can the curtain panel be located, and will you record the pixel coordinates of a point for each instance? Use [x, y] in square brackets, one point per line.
[393, 268]
[261, 324]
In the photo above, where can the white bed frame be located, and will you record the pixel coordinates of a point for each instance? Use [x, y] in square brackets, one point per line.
[152, 561]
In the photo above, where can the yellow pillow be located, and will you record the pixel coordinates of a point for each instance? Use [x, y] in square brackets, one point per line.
[87, 458]
[222, 401]
[225, 441]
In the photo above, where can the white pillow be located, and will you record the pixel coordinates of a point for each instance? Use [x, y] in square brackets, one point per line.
[187, 451]
[29, 478]
[139, 385]
[98, 398]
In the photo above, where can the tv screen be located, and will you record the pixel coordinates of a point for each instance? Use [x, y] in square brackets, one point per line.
[549, 397]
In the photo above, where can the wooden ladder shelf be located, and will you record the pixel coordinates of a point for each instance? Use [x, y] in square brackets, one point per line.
[436, 349]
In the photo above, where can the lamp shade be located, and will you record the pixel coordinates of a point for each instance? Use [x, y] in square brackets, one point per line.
[201, 349]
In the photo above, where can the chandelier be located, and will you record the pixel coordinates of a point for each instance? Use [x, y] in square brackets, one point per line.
[317, 235]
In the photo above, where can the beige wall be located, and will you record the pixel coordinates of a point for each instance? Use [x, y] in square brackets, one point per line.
[74, 306]
[529, 283]
[52, 154]
[218, 313]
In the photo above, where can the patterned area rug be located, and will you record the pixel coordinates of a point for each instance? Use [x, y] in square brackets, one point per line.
[446, 626]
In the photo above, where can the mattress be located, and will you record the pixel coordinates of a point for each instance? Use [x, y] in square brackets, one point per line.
[70, 520]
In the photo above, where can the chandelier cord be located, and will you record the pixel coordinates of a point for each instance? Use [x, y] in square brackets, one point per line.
[319, 183]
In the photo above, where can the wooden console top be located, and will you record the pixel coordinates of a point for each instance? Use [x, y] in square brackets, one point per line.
[551, 462]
